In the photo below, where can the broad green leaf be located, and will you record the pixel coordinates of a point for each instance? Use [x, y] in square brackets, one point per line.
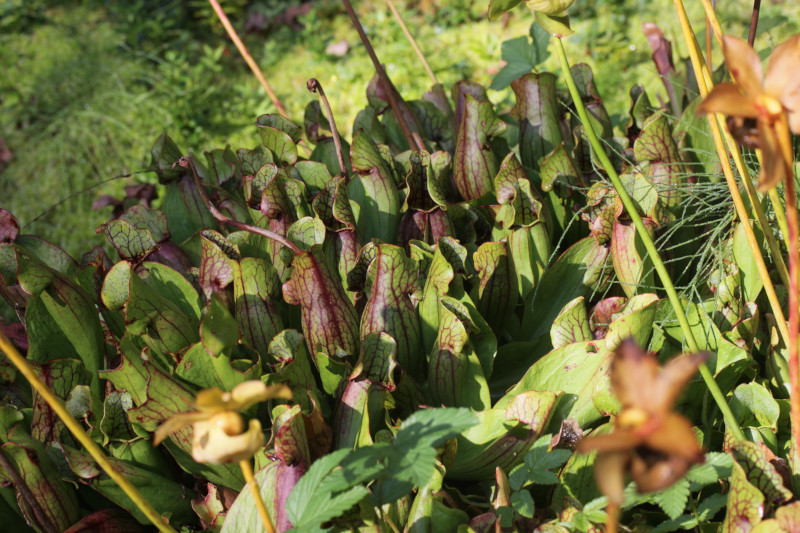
[559, 168]
[166, 496]
[539, 114]
[576, 370]
[634, 320]
[61, 376]
[521, 205]
[745, 504]
[61, 319]
[579, 271]
[163, 155]
[41, 478]
[216, 255]
[172, 285]
[530, 249]
[673, 499]
[474, 163]
[502, 436]
[306, 232]
[537, 465]
[330, 322]
[751, 282]
[556, 25]
[185, 211]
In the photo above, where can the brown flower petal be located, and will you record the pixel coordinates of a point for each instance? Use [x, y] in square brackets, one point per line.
[674, 436]
[609, 471]
[618, 441]
[783, 71]
[675, 374]
[656, 472]
[744, 64]
[773, 167]
[728, 99]
[633, 376]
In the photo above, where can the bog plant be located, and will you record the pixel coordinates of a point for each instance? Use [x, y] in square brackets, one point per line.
[427, 321]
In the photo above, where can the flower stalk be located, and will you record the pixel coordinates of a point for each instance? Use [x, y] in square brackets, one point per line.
[649, 245]
[247, 470]
[57, 405]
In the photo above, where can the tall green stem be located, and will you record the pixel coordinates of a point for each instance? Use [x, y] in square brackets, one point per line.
[649, 245]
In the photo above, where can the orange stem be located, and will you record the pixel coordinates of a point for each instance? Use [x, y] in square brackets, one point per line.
[247, 57]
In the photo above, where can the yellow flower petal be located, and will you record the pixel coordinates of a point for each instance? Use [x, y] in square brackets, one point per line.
[174, 423]
[744, 65]
[254, 391]
[212, 444]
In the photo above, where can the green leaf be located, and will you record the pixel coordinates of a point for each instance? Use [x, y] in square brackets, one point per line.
[498, 7]
[656, 146]
[497, 289]
[317, 497]
[537, 465]
[256, 288]
[577, 272]
[673, 499]
[522, 501]
[131, 242]
[539, 114]
[716, 466]
[218, 330]
[571, 325]
[754, 406]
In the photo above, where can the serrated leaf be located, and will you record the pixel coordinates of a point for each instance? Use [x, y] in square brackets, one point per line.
[522, 501]
[716, 466]
[673, 499]
[537, 465]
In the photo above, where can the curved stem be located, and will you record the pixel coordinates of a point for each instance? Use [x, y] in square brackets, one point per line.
[247, 470]
[57, 405]
[411, 40]
[185, 162]
[395, 100]
[247, 57]
[649, 245]
[315, 86]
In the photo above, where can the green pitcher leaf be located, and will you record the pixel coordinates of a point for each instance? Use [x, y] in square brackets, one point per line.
[61, 376]
[634, 320]
[307, 232]
[631, 262]
[41, 478]
[521, 205]
[455, 375]
[530, 249]
[497, 293]
[474, 163]
[373, 193]
[571, 325]
[166, 496]
[665, 169]
[280, 135]
[61, 318]
[256, 288]
[745, 504]
[538, 112]
[498, 7]
[754, 406]
[390, 305]
[216, 255]
[759, 471]
[579, 271]
[219, 331]
[131, 242]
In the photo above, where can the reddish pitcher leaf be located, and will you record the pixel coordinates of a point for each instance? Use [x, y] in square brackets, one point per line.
[539, 114]
[760, 472]
[330, 322]
[497, 290]
[656, 146]
[745, 504]
[279, 135]
[256, 287]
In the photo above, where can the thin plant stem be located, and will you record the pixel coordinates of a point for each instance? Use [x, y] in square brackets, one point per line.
[649, 245]
[704, 84]
[777, 206]
[57, 405]
[412, 41]
[186, 163]
[751, 37]
[43, 519]
[247, 470]
[247, 57]
[384, 80]
[612, 517]
[315, 86]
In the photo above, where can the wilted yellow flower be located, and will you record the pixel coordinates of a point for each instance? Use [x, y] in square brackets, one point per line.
[771, 99]
[219, 432]
[549, 7]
